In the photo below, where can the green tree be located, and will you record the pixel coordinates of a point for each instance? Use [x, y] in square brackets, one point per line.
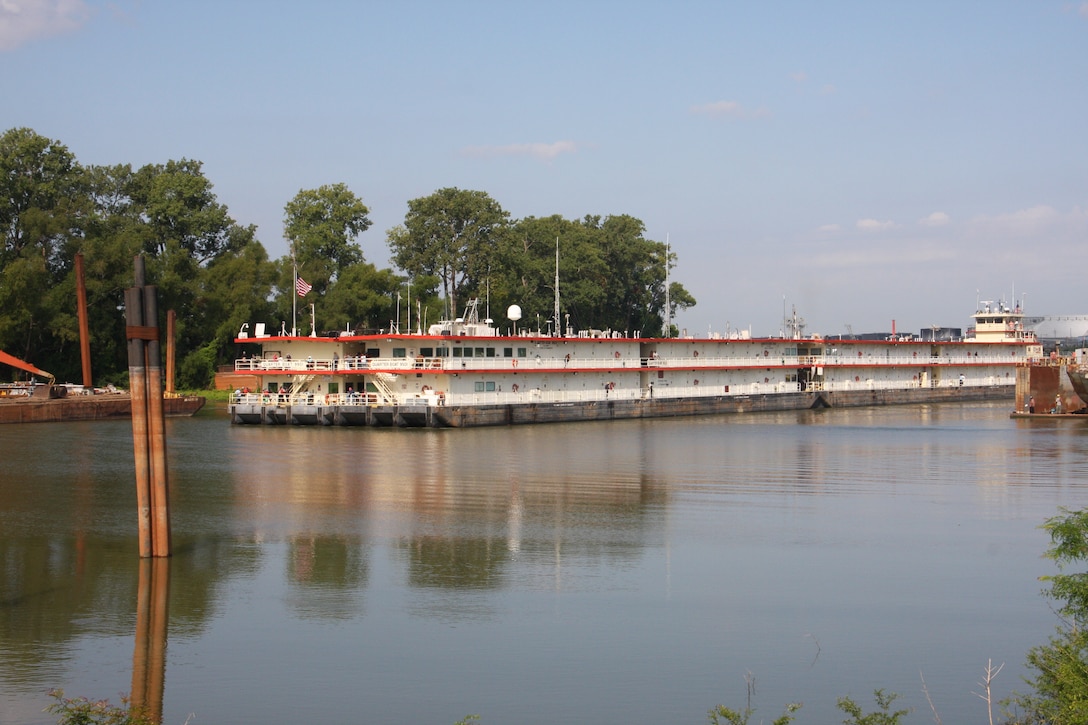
[42, 208]
[1060, 667]
[321, 226]
[451, 234]
[610, 275]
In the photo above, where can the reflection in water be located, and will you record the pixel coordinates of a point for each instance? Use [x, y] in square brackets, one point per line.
[149, 652]
[636, 545]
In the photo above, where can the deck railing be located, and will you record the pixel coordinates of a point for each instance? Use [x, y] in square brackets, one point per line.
[527, 364]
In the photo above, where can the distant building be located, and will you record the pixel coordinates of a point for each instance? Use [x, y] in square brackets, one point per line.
[1068, 331]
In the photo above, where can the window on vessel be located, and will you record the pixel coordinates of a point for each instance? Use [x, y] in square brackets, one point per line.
[479, 386]
[373, 352]
[479, 352]
[467, 352]
[457, 352]
[660, 374]
[400, 352]
[508, 352]
[426, 351]
[490, 352]
[521, 352]
[334, 388]
[441, 352]
[490, 386]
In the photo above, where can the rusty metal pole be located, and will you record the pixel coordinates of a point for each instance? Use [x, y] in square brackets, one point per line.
[84, 327]
[137, 383]
[171, 320]
[156, 429]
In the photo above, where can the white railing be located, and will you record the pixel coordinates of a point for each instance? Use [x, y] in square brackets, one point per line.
[528, 364]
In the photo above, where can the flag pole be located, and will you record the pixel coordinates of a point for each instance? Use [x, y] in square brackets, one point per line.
[294, 294]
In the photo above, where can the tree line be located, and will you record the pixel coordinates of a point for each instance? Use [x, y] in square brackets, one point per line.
[454, 245]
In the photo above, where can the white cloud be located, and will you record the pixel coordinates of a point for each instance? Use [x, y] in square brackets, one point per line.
[799, 77]
[1084, 10]
[874, 225]
[22, 21]
[1041, 222]
[729, 109]
[830, 228]
[936, 219]
[543, 151]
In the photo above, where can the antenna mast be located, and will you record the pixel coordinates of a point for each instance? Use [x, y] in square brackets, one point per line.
[668, 306]
[556, 312]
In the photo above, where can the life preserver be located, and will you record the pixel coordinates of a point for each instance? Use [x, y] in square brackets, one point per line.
[766, 353]
[617, 354]
[514, 387]
[514, 362]
[857, 378]
[696, 381]
[695, 353]
[566, 358]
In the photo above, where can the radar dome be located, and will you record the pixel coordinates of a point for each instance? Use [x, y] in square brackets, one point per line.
[513, 312]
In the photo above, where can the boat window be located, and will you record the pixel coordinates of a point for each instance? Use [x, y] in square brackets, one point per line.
[490, 386]
[441, 352]
[467, 352]
[479, 386]
[508, 352]
[457, 352]
[490, 352]
[400, 352]
[521, 352]
[426, 351]
[479, 352]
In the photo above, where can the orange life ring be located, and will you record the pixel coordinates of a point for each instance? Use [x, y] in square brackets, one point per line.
[766, 353]
[514, 387]
[695, 353]
[696, 381]
[514, 362]
[617, 354]
[857, 378]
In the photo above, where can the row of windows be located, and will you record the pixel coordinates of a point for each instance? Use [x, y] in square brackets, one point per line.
[457, 352]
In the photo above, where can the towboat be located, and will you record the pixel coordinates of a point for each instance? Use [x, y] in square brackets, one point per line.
[465, 372]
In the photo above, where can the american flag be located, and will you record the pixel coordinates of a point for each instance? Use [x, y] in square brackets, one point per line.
[301, 287]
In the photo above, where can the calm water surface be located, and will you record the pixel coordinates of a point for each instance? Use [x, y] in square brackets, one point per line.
[628, 572]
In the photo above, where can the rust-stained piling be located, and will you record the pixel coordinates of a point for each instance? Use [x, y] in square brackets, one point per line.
[84, 326]
[148, 427]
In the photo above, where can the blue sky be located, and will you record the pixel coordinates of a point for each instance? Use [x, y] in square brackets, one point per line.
[862, 161]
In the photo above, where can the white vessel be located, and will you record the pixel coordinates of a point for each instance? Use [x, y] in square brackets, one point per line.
[463, 372]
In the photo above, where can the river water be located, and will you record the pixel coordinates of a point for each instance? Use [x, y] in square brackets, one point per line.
[624, 572]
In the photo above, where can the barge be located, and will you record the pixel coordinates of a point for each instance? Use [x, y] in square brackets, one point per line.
[464, 373]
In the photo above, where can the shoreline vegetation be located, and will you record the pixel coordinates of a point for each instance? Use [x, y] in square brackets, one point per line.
[1059, 681]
